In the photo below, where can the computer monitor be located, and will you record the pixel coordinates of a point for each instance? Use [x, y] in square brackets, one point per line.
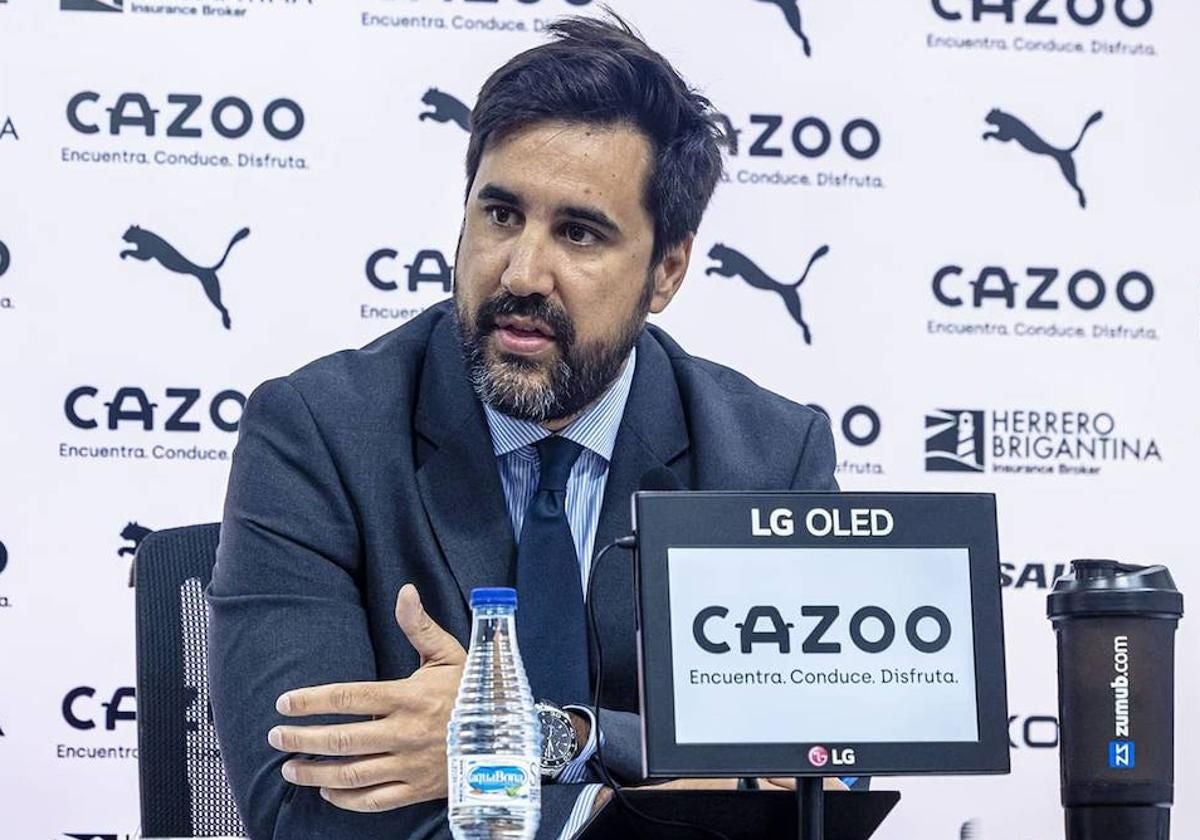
[798, 634]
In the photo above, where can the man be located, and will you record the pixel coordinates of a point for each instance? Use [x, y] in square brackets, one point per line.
[492, 442]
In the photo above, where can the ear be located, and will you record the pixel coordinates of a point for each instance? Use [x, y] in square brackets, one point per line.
[669, 273]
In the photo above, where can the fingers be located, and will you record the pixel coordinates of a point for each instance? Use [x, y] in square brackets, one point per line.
[366, 738]
[435, 645]
[361, 698]
[345, 774]
[374, 799]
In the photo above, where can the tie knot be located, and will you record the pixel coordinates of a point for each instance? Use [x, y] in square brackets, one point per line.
[558, 454]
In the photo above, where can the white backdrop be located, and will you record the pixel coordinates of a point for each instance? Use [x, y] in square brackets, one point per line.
[912, 189]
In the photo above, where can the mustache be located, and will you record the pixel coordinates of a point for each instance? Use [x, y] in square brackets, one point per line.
[536, 307]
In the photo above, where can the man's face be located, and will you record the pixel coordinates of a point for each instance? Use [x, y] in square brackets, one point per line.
[552, 277]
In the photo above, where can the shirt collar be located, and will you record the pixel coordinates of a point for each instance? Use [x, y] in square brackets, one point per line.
[595, 429]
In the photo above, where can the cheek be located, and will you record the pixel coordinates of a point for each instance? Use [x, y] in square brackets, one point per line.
[597, 309]
[478, 269]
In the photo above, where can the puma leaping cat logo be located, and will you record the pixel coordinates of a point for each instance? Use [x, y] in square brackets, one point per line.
[733, 263]
[791, 11]
[150, 246]
[1009, 127]
[446, 108]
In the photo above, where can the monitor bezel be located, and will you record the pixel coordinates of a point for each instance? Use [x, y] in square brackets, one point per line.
[716, 519]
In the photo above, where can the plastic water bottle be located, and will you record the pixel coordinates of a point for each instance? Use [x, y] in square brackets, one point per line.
[493, 741]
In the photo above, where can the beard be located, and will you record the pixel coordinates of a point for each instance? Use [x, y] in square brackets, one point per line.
[543, 390]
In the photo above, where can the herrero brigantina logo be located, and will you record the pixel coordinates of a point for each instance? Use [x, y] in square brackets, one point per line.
[1031, 441]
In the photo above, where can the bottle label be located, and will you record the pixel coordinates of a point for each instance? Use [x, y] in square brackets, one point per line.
[509, 780]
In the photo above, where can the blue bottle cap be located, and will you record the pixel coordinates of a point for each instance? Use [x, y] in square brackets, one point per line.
[494, 596]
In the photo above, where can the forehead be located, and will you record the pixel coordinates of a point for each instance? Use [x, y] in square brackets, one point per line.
[561, 162]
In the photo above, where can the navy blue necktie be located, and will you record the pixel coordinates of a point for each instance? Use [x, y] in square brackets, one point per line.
[551, 630]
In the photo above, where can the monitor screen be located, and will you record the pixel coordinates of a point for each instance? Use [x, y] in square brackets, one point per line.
[778, 642]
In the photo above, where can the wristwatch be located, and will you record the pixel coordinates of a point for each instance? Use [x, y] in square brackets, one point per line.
[560, 743]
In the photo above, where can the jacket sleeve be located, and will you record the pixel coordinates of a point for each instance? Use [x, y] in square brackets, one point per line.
[814, 471]
[286, 612]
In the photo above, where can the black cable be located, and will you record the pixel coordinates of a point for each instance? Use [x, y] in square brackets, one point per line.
[594, 637]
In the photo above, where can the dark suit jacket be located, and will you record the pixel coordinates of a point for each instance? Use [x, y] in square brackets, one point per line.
[373, 468]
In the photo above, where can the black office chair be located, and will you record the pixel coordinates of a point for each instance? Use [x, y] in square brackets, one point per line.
[184, 791]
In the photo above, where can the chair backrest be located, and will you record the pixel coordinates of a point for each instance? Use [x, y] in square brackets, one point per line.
[184, 792]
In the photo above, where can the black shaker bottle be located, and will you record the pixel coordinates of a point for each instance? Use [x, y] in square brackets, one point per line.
[1115, 625]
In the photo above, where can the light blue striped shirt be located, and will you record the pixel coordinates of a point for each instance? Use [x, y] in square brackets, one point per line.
[596, 431]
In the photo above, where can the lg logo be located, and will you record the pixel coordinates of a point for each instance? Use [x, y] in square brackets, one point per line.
[1085, 289]
[132, 405]
[1132, 13]
[818, 756]
[811, 137]
[80, 710]
[819, 522]
[231, 117]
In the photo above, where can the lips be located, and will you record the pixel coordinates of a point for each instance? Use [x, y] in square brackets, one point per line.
[523, 326]
[523, 336]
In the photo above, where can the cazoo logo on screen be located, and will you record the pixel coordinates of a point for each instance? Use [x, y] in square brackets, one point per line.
[162, 129]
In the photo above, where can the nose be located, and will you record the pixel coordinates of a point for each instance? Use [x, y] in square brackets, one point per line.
[529, 270]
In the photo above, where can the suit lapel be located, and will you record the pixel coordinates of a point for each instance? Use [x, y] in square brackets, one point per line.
[457, 474]
[652, 434]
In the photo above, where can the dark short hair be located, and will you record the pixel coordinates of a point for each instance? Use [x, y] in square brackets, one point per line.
[601, 72]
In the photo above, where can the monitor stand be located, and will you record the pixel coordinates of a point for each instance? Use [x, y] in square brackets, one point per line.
[744, 814]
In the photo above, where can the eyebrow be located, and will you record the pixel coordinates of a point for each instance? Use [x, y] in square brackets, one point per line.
[494, 192]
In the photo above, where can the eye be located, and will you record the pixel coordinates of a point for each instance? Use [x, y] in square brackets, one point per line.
[501, 215]
[579, 234]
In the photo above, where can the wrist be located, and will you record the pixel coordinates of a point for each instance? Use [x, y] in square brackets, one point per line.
[582, 724]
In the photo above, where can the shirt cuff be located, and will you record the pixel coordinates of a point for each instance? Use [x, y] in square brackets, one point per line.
[582, 811]
[576, 769]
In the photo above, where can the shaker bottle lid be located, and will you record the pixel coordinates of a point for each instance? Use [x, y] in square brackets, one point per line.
[495, 596]
[1106, 587]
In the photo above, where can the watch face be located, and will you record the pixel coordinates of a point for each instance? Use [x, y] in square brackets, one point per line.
[558, 738]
